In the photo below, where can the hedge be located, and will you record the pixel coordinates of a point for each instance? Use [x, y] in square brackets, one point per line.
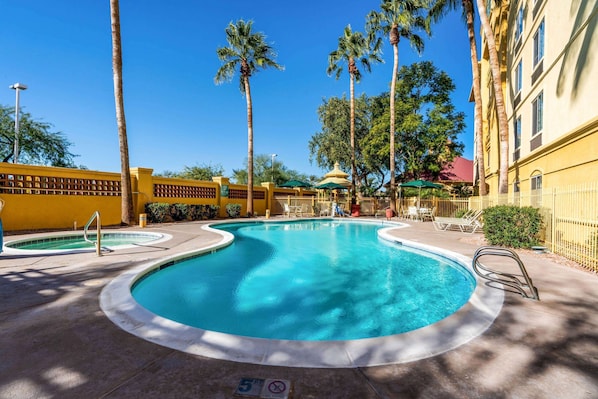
[160, 212]
[512, 226]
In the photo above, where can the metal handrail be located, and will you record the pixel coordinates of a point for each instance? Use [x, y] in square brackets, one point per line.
[525, 288]
[96, 217]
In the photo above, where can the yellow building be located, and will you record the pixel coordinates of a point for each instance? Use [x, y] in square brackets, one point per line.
[548, 51]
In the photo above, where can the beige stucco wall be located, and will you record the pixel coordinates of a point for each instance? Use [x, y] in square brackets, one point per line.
[569, 150]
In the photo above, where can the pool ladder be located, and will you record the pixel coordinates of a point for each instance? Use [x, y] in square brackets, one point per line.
[521, 283]
[97, 244]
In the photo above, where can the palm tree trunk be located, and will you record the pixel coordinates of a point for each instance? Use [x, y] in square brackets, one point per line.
[477, 96]
[503, 127]
[127, 211]
[353, 165]
[392, 166]
[249, 147]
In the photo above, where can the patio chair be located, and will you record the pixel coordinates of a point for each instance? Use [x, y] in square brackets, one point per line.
[469, 223]
[427, 214]
[288, 209]
[412, 213]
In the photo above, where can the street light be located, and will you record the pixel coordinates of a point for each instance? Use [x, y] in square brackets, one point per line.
[17, 87]
[273, 156]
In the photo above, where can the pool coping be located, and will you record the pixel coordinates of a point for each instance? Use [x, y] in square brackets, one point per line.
[455, 330]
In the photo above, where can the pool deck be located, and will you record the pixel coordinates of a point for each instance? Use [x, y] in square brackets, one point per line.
[55, 342]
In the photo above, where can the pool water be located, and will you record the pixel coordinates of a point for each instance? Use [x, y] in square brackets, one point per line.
[308, 280]
[67, 242]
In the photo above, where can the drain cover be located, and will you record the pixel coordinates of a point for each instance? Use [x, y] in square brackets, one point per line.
[271, 388]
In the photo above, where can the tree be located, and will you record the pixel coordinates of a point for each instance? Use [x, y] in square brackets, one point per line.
[331, 143]
[398, 18]
[440, 8]
[200, 172]
[127, 212]
[499, 99]
[38, 145]
[428, 125]
[353, 47]
[246, 51]
[263, 171]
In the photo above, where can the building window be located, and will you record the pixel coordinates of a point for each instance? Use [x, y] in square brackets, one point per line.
[519, 27]
[536, 182]
[517, 131]
[538, 114]
[536, 194]
[518, 77]
[539, 44]
[517, 138]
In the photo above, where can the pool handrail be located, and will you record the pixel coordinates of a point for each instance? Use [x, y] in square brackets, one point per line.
[96, 217]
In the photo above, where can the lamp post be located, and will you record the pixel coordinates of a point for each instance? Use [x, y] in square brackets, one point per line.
[272, 175]
[17, 87]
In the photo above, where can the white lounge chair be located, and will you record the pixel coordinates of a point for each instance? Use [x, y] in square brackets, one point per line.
[469, 223]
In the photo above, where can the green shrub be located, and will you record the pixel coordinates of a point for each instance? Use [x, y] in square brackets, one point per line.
[512, 226]
[160, 212]
[233, 210]
[178, 212]
[210, 211]
[156, 211]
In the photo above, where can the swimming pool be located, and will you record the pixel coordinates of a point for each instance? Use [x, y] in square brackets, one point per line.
[307, 280]
[75, 242]
[451, 331]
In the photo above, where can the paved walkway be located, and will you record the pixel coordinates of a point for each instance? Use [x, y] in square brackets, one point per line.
[55, 342]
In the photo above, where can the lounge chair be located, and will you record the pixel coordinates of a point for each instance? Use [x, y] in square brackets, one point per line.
[469, 223]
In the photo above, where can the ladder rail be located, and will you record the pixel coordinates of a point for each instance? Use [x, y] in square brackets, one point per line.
[95, 216]
[508, 279]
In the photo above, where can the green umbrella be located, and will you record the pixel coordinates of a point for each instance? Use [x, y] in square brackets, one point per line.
[295, 183]
[331, 186]
[419, 184]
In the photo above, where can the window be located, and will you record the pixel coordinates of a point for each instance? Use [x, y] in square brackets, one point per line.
[519, 26]
[517, 138]
[517, 131]
[536, 194]
[536, 182]
[518, 77]
[539, 44]
[538, 114]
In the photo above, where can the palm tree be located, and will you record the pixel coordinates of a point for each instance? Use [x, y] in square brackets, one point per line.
[246, 51]
[398, 18]
[353, 47]
[117, 70]
[503, 124]
[439, 9]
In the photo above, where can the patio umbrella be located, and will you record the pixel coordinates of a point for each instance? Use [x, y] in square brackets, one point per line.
[419, 184]
[331, 186]
[295, 183]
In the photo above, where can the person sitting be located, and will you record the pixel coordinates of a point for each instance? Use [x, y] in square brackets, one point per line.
[340, 212]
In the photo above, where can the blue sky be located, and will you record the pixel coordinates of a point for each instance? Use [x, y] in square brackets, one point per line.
[176, 115]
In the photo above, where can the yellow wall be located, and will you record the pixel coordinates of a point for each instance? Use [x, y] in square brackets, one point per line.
[566, 76]
[39, 197]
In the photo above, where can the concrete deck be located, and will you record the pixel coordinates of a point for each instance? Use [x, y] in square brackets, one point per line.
[55, 342]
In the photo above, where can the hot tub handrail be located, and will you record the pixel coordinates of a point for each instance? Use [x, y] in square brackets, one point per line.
[96, 217]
